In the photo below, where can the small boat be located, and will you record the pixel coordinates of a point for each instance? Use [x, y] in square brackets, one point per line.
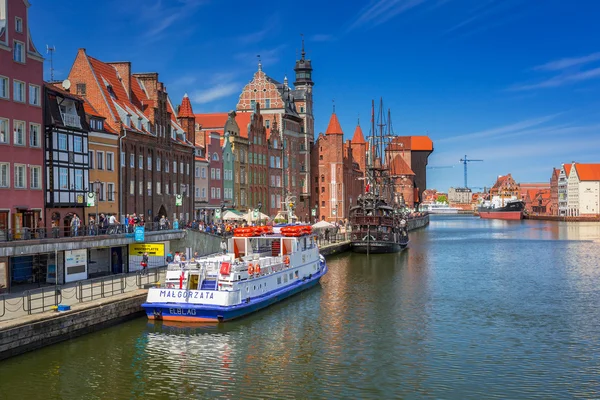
[260, 268]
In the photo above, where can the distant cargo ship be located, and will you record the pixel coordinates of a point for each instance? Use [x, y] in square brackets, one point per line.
[512, 210]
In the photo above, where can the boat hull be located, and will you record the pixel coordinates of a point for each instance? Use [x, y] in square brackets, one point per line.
[364, 247]
[506, 215]
[182, 312]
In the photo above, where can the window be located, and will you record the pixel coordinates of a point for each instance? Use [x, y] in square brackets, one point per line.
[197, 192]
[149, 186]
[19, 52]
[18, 25]
[158, 188]
[34, 95]
[110, 187]
[122, 159]
[149, 163]
[4, 175]
[91, 158]
[131, 161]
[301, 109]
[253, 104]
[219, 173]
[101, 192]
[110, 161]
[197, 172]
[174, 188]
[81, 89]
[187, 169]
[158, 163]
[215, 157]
[174, 167]
[268, 103]
[19, 91]
[203, 173]
[167, 165]
[62, 141]
[3, 87]
[3, 130]
[100, 160]
[20, 181]
[212, 193]
[77, 144]
[19, 139]
[322, 204]
[218, 193]
[212, 173]
[203, 192]
[131, 187]
[141, 162]
[181, 167]
[78, 179]
[141, 188]
[167, 187]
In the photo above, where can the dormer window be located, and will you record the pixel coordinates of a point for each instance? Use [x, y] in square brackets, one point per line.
[128, 120]
[111, 91]
[139, 124]
[19, 25]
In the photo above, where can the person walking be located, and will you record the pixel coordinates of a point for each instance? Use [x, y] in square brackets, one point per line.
[145, 264]
[224, 246]
[75, 225]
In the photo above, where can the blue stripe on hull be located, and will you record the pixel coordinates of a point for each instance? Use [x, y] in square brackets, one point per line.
[204, 313]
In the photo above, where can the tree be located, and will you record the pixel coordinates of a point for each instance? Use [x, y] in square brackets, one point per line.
[442, 199]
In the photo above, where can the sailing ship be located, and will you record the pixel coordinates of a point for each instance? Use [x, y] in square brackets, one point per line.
[378, 221]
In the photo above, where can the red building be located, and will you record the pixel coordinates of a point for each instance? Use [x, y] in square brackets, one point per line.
[21, 121]
[337, 169]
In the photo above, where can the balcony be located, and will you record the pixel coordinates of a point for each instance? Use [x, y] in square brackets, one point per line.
[71, 120]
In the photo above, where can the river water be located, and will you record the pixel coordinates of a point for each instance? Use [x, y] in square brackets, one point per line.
[475, 309]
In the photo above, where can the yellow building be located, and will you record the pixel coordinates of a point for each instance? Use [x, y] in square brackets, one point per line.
[104, 166]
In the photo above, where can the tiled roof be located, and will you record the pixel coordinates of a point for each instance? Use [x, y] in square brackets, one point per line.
[358, 137]
[400, 167]
[212, 121]
[185, 110]
[399, 143]
[588, 172]
[90, 110]
[334, 127]
[421, 143]
[567, 169]
[243, 119]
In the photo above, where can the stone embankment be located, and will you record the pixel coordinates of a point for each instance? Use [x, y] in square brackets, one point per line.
[40, 330]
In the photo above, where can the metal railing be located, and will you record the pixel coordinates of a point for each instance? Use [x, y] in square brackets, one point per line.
[71, 120]
[25, 233]
[48, 298]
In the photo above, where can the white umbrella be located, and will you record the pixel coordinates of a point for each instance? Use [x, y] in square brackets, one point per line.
[231, 216]
[250, 216]
[323, 225]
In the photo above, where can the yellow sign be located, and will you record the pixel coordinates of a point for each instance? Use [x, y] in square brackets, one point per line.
[153, 249]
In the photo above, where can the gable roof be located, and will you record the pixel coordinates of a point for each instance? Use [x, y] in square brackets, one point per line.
[334, 127]
[421, 143]
[588, 172]
[567, 169]
[212, 121]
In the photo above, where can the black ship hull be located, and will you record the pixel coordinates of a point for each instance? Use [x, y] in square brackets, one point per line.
[375, 247]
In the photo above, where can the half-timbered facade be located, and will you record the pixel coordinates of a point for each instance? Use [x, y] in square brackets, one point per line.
[66, 157]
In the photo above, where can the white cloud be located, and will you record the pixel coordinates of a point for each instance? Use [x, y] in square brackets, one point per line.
[560, 80]
[564, 63]
[380, 11]
[500, 131]
[215, 92]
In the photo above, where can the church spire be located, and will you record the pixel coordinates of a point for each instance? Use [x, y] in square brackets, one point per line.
[303, 70]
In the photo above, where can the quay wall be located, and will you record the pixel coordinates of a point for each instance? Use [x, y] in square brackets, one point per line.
[419, 222]
[37, 331]
[563, 218]
[335, 248]
[203, 243]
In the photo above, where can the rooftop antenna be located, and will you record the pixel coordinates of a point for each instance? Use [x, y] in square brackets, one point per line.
[51, 50]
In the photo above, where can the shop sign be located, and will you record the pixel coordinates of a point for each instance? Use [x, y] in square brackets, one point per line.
[153, 249]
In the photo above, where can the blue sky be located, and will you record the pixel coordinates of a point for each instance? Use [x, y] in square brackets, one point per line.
[513, 82]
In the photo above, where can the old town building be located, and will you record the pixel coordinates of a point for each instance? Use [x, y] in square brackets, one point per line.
[156, 159]
[336, 172]
[414, 151]
[562, 188]
[67, 158]
[21, 121]
[258, 168]
[103, 149]
[583, 190]
[459, 196]
[554, 192]
[291, 109]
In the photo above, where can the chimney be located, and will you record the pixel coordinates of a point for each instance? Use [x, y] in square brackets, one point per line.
[124, 71]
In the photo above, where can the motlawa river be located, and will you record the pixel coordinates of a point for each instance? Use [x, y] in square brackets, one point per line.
[474, 309]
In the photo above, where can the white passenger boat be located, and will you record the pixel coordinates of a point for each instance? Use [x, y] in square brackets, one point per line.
[438, 208]
[260, 268]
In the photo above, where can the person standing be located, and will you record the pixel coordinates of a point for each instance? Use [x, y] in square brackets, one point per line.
[224, 246]
[145, 264]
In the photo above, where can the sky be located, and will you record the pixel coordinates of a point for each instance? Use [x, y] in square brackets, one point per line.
[512, 82]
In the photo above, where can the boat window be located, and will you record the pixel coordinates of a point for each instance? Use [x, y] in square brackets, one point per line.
[279, 280]
[296, 273]
[291, 276]
[247, 289]
[254, 287]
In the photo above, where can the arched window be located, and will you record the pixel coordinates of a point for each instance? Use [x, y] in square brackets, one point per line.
[322, 178]
[215, 157]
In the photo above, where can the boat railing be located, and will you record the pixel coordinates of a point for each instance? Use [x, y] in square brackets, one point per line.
[373, 220]
[374, 235]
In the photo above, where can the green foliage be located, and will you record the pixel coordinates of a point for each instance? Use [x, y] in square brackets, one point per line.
[442, 199]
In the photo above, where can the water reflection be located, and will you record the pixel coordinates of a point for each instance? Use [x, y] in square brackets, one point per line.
[473, 309]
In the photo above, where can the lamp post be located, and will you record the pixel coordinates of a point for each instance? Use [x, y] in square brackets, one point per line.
[97, 183]
[258, 207]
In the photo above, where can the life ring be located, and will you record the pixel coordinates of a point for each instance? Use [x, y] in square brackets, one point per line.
[286, 260]
[257, 269]
[250, 269]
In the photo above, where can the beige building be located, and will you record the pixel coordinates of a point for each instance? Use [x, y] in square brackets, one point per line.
[104, 163]
[459, 195]
[583, 190]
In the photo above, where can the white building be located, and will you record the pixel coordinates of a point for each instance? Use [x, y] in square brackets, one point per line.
[583, 190]
[459, 195]
[563, 178]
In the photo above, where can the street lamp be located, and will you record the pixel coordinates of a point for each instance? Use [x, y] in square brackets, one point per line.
[259, 206]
